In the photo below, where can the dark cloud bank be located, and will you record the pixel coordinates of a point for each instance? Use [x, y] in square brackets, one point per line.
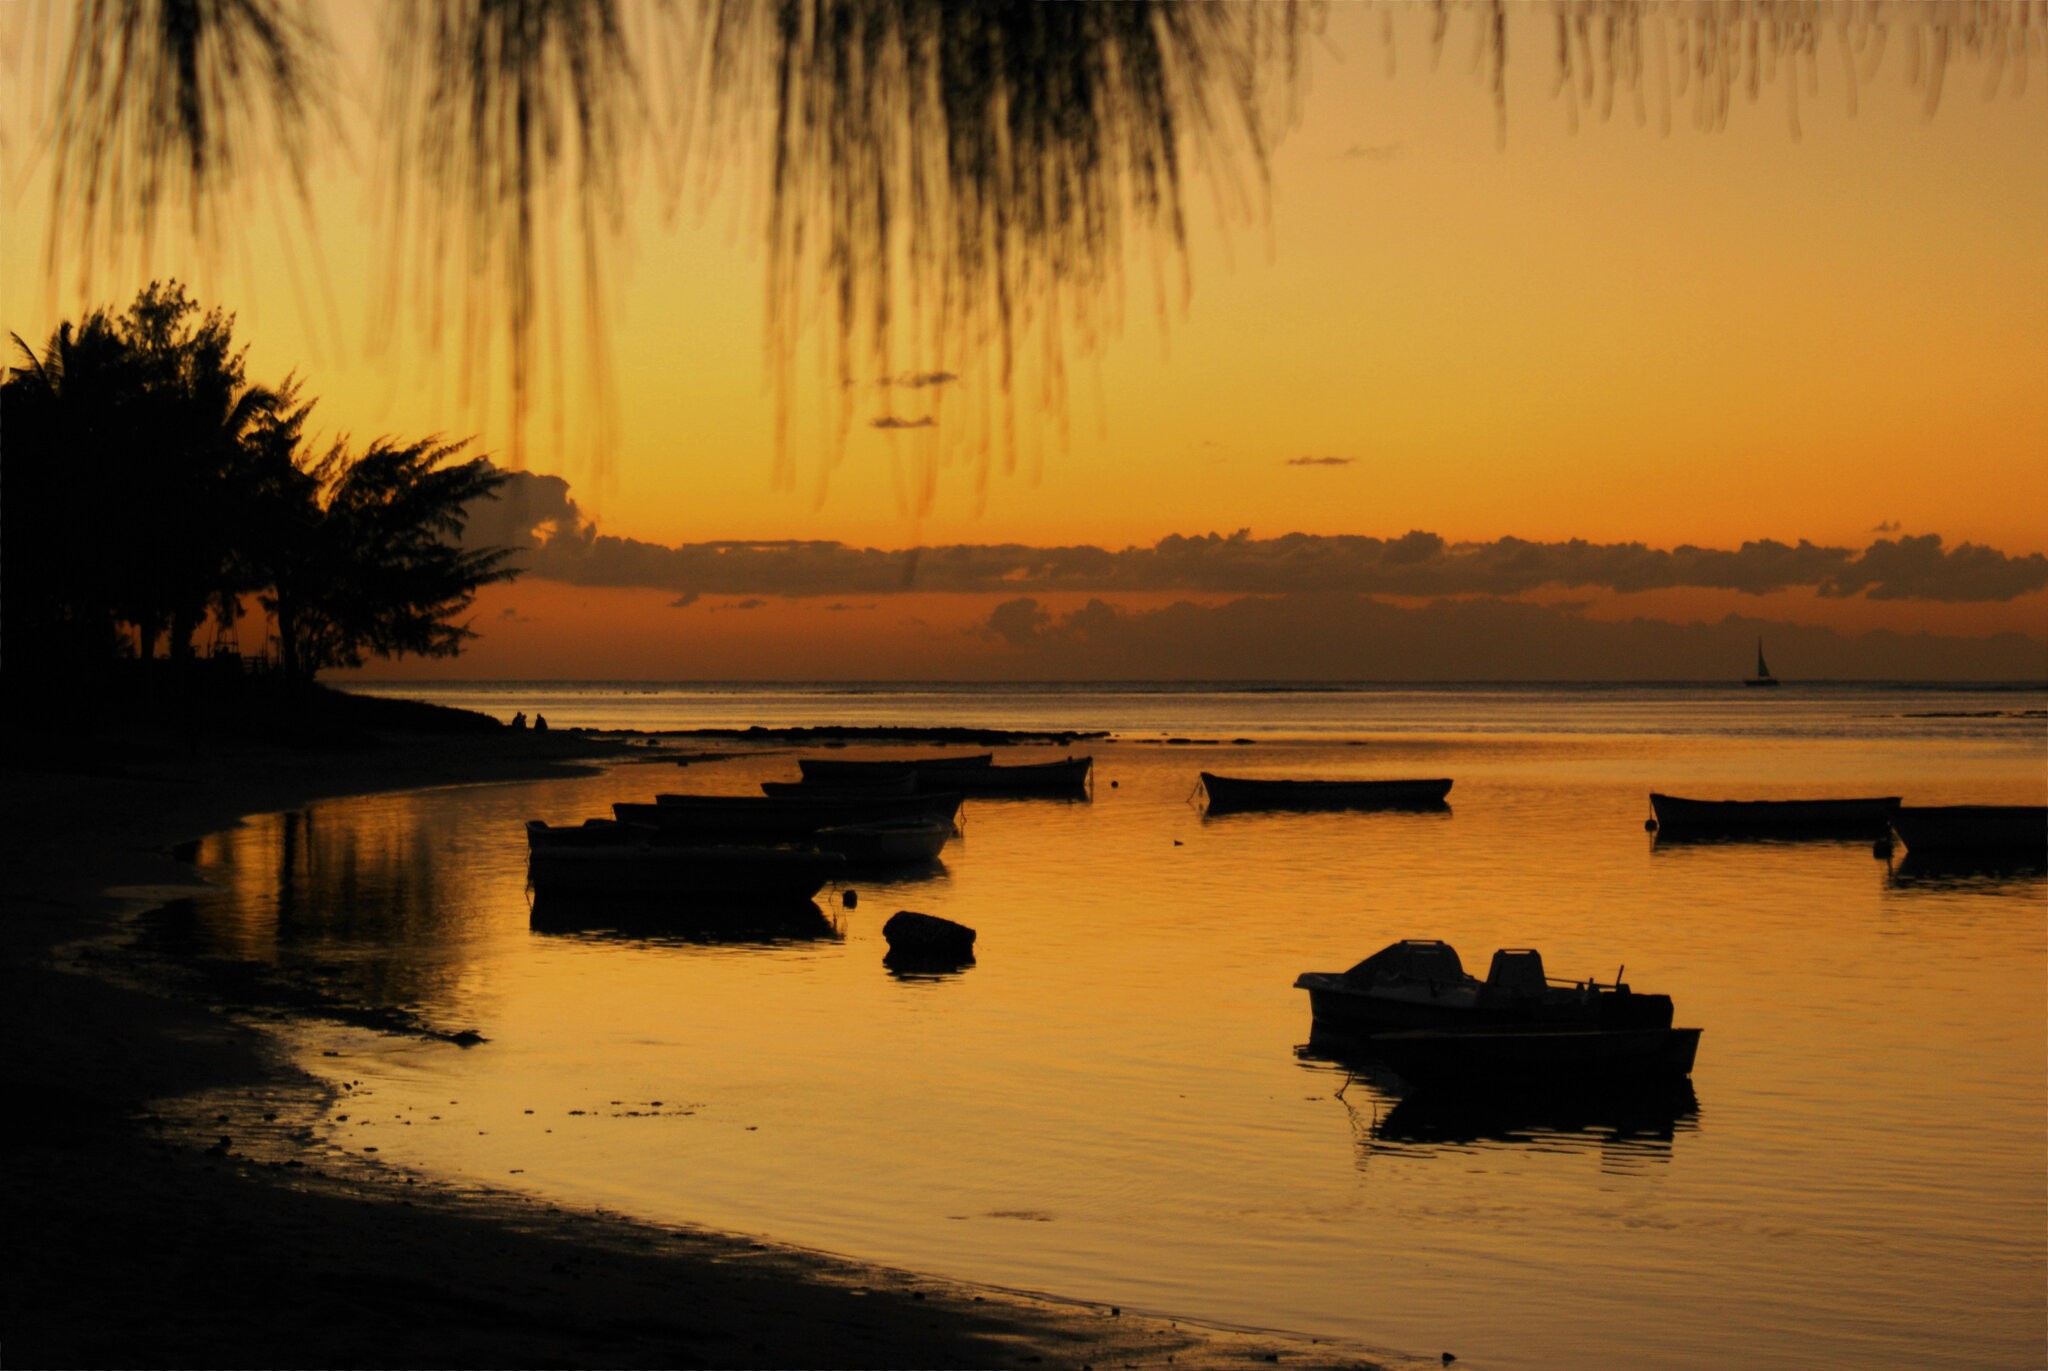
[1305, 606]
[537, 515]
[1342, 637]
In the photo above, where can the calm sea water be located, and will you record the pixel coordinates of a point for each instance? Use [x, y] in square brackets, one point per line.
[1116, 1102]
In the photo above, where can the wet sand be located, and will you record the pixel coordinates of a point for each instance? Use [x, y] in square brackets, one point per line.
[170, 1204]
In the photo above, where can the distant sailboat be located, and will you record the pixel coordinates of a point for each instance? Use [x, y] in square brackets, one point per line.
[1763, 675]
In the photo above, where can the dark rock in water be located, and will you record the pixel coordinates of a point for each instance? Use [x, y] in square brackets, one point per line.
[909, 931]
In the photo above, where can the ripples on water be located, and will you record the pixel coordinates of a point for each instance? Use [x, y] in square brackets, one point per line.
[1119, 1099]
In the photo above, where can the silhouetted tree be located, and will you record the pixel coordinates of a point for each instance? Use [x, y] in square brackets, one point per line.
[125, 445]
[366, 556]
[146, 484]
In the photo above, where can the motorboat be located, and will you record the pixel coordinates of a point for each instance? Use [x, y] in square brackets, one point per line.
[1421, 983]
[1232, 793]
[1407, 1000]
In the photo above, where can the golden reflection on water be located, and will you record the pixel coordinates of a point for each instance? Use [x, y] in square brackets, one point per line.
[1119, 1100]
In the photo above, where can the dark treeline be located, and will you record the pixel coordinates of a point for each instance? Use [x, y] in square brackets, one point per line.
[151, 494]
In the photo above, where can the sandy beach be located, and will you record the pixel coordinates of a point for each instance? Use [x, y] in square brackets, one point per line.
[171, 1204]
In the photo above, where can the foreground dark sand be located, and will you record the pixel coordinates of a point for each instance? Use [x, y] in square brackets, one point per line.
[168, 1203]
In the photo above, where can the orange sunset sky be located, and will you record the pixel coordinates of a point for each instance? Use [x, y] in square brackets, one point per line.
[1810, 325]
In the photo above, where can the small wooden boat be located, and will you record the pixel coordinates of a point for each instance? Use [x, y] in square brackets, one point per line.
[1940, 830]
[1763, 675]
[1546, 1060]
[709, 874]
[906, 784]
[778, 818]
[856, 771]
[1678, 817]
[1230, 793]
[887, 842]
[1067, 777]
[589, 833]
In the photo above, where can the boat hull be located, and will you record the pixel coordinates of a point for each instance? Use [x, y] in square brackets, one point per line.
[895, 842]
[1066, 778]
[1547, 1060]
[1229, 794]
[1862, 817]
[1336, 1006]
[712, 875]
[766, 818]
[927, 772]
[1956, 830]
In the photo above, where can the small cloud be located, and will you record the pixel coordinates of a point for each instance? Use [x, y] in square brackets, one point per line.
[921, 380]
[891, 421]
[511, 615]
[685, 600]
[1888, 526]
[1017, 622]
[751, 603]
[1371, 152]
[1320, 461]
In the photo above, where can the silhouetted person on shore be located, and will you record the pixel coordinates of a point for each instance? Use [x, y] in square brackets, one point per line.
[540, 723]
[519, 719]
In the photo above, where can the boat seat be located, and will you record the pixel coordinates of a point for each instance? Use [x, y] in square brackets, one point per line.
[1516, 969]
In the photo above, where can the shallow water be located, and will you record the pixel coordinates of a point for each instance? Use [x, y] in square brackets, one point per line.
[1115, 1101]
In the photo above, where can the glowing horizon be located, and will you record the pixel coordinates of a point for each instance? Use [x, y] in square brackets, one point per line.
[1614, 334]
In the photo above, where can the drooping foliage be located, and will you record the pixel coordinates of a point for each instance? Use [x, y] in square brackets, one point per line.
[947, 182]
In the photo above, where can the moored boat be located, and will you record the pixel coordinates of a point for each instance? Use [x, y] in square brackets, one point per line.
[862, 771]
[905, 784]
[701, 873]
[1067, 777]
[589, 833]
[887, 842]
[777, 817]
[1941, 830]
[1421, 983]
[1228, 793]
[1866, 817]
[1413, 1005]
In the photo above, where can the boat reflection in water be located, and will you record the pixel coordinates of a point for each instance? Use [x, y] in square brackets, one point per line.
[650, 918]
[1636, 1124]
[1973, 871]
